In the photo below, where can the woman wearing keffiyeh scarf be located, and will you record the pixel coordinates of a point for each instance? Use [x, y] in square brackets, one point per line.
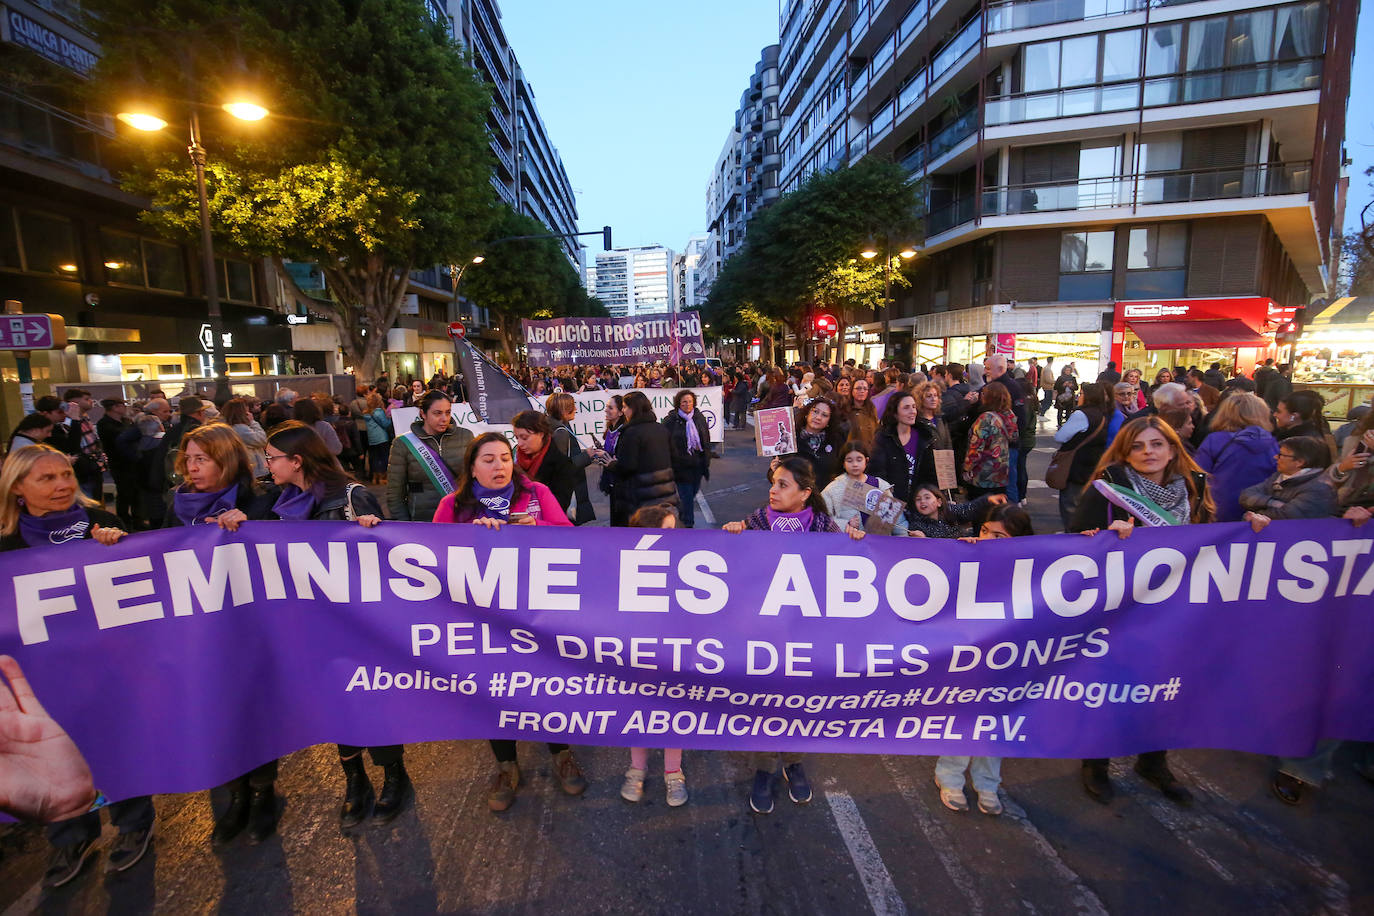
[1148, 468]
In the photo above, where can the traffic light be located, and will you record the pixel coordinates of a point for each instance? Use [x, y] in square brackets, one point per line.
[1288, 333]
[605, 238]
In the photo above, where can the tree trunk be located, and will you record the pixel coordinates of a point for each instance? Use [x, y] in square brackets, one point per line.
[507, 342]
[365, 302]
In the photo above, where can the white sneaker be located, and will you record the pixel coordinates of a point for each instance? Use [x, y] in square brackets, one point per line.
[633, 788]
[953, 799]
[989, 803]
[676, 784]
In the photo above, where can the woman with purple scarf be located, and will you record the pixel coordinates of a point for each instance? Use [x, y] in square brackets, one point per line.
[691, 450]
[794, 507]
[219, 490]
[314, 487]
[44, 506]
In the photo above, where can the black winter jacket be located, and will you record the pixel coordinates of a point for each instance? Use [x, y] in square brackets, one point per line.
[891, 462]
[689, 467]
[644, 465]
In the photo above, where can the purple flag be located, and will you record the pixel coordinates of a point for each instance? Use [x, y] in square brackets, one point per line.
[674, 338]
[179, 659]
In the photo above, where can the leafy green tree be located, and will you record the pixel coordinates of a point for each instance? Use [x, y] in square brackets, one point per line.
[374, 162]
[850, 288]
[799, 251]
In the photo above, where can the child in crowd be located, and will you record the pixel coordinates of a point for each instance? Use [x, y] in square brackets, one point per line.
[662, 516]
[854, 457]
[932, 515]
[1003, 521]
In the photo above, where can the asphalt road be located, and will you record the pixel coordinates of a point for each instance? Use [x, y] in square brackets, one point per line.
[875, 838]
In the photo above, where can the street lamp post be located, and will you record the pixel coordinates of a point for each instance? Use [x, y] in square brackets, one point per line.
[869, 252]
[244, 111]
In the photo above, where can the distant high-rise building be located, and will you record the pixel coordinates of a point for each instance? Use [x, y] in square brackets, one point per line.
[685, 264]
[745, 178]
[633, 281]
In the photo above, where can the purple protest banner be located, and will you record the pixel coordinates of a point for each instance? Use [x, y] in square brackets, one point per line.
[674, 338]
[179, 659]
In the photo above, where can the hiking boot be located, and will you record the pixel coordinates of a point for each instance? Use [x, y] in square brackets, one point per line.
[570, 778]
[128, 848]
[262, 814]
[501, 795]
[396, 788]
[676, 784]
[1097, 783]
[231, 823]
[66, 863]
[632, 790]
[358, 794]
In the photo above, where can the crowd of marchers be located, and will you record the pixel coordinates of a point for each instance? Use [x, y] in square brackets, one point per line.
[1194, 447]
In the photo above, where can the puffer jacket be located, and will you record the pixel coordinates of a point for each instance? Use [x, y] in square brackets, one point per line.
[644, 465]
[1236, 461]
[409, 493]
[1307, 494]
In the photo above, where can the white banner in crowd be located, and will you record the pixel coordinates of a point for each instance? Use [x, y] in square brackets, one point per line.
[591, 413]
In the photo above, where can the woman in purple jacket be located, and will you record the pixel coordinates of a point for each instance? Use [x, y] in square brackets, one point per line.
[1238, 452]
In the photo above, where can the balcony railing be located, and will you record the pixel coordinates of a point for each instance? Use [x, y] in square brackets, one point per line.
[957, 47]
[1027, 14]
[1179, 89]
[1176, 186]
[47, 131]
[941, 142]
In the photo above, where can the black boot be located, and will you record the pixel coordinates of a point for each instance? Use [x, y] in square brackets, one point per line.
[358, 795]
[395, 790]
[231, 823]
[262, 814]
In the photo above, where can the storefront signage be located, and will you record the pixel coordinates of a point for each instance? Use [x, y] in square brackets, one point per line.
[1154, 310]
[207, 339]
[21, 30]
[297, 319]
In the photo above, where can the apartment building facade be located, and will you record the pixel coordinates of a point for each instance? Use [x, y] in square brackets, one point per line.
[634, 281]
[1154, 183]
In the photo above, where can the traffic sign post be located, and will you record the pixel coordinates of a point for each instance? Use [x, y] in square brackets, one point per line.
[457, 330]
[20, 334]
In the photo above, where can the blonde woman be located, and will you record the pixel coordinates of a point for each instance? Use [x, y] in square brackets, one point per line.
[43, 507]
[1238, 452]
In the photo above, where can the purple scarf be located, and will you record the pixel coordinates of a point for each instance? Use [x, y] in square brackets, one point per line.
[190, 506]
[495, 503]
[789, 521]
[693, 437]
[55, 527]
[295, 504]
[612, 436]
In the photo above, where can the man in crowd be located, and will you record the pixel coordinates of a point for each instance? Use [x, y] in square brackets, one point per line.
[110, 427]
[80, 440]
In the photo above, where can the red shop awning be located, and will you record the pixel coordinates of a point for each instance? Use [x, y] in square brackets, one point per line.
[1204, 332]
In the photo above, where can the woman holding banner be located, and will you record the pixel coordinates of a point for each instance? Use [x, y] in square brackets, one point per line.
[426, 461]
[898, 446]
[496, 492]
[1145, 478]
[219, 490]
[314, 487]
[794, 507]
[44, 505]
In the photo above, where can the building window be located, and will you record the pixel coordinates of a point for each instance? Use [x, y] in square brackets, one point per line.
[48, 244]
[1156, 261]
[1085, 265]
[235, 279]
[165, 268]
[9, 241]
[123, 258]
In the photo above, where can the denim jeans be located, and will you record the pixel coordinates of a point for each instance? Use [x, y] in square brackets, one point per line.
[1014, 494]
[687, 494]
[768, 760]
[986, 772]
[129, 816]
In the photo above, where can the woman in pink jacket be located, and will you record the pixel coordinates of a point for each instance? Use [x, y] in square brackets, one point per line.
[494, 492]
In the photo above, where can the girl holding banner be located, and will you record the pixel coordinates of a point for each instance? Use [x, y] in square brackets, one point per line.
[1145, 478]
[43, 505]
[794, 507]
[426, 461]
[314, 487]
[219, 489]
[496, 492]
